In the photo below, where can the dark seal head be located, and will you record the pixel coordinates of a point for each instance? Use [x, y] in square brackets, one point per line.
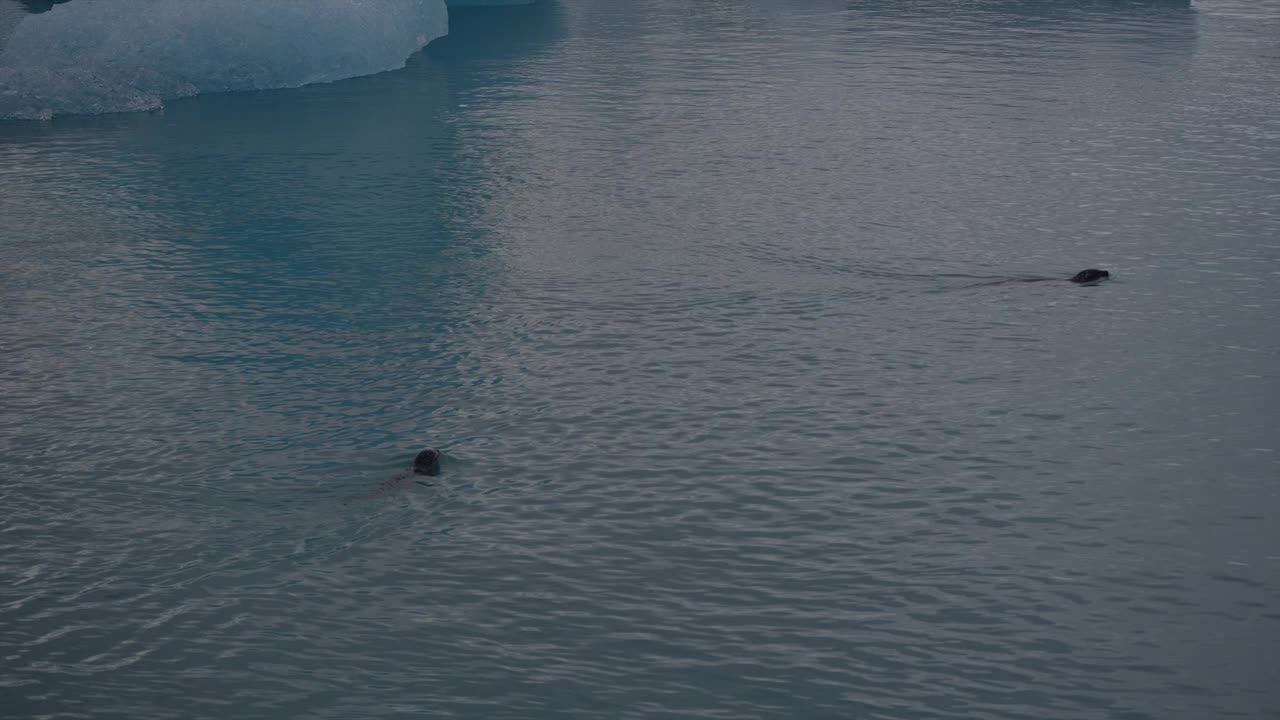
[1092, 275]
[427, 463]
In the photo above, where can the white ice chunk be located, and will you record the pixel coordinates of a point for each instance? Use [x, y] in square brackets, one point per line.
[94, 56]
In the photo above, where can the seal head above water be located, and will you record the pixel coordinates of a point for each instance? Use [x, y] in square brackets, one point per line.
[427, 463]
[1092, 275]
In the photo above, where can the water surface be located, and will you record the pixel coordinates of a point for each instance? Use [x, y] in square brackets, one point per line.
[698, 303]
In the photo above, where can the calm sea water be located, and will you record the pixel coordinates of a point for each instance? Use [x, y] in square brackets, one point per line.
[711, 308]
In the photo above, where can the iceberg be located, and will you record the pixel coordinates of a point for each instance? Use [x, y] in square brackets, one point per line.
[101, 56]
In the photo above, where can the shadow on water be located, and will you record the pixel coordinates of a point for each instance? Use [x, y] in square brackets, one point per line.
[485, 33]
[39, 6]
[12, 12]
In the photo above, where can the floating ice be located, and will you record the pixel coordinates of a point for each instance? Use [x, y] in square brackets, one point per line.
[98, 56]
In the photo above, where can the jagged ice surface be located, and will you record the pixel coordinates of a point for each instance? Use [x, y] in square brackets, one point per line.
[99, 56]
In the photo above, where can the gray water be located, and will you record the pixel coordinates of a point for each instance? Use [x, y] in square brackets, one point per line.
[712, 308]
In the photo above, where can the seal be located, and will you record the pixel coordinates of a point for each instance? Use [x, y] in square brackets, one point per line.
[426, 463]
[1090, 276]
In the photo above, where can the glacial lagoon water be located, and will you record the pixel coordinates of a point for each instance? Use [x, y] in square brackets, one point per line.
[710, 308]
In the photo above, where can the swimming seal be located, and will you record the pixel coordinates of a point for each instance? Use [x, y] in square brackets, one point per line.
[1092, 275]
[427, 463]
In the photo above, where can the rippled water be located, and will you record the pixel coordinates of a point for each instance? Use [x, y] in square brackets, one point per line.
[711, 308]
